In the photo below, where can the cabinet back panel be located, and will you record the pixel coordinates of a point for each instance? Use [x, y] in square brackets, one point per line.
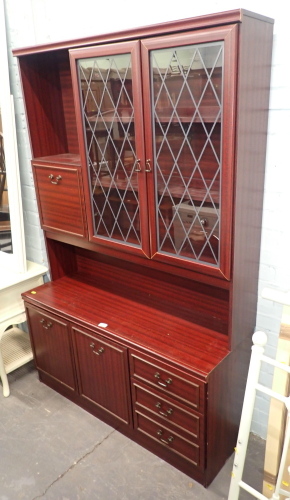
[189, 300]
[49, 105]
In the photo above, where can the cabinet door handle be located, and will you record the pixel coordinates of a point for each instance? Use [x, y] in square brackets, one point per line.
[165, 441]
[57, 179]
[46, 324]
[160, 382]
[148, 165]
[165, 413]
[138, 166]
[99, 351]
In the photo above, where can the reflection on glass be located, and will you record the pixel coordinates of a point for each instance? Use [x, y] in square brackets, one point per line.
[106, 92]
[187, 105]
[5, 228]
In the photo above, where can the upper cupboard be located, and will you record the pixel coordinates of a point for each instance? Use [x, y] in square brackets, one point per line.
[153, 122]
[148, 143]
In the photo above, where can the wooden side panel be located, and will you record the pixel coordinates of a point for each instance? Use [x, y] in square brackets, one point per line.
[251, 136]
[226, 386]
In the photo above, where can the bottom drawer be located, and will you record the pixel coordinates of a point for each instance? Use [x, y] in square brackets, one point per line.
[169, 439]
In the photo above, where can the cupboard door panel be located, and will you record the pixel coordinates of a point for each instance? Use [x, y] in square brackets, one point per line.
[107, 88]
[103, 373]
[60, 199]
[52, 346]
[189, 98]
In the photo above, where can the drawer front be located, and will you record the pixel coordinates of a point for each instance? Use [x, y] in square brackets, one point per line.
[172, 415]
[186, 388]
[169, 439]
[60, 200]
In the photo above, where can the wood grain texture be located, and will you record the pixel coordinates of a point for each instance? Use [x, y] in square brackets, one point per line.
[191, 324]
[252, 120]
[52, 346]
[102, 371]
[172, 413]
[60, 199]
[142, 325]
[43, 104]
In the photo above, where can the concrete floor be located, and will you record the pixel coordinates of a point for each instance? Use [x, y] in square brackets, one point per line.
[50, 449]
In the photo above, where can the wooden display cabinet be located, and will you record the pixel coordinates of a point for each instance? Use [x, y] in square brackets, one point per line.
[148, 158]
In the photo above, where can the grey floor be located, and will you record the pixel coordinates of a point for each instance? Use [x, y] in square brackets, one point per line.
[51, 449]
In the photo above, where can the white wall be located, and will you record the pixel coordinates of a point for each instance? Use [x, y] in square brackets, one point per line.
[39, 21]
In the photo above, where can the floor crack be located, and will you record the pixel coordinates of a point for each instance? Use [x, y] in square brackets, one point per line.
[74, 465]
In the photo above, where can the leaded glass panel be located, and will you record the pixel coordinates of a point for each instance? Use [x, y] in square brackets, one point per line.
[187, 86]
[108, 114]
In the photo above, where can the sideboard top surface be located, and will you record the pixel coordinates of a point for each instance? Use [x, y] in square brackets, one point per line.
[136, 323]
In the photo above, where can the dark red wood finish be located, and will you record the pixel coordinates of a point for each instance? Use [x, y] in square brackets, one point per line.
[190, 325]
[60, 198]
[52, 346]
[229, 35]
[173, 414]
[132, 48]
[102, 370]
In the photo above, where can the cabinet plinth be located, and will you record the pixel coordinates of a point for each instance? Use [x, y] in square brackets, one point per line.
[148, 160]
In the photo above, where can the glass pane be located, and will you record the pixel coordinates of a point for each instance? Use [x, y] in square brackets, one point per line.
[5, 226]
[106, 90]
[187, 109]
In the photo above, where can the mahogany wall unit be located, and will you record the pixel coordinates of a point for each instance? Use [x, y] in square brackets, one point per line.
[148, 159]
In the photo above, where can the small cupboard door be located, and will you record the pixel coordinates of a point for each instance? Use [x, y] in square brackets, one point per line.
[60, 199]
[52, 346]
[189, 95]
[102, 368]
[107, 87]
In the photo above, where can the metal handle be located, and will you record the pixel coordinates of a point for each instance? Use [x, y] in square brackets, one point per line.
[160, 382]
[138, 166]
[148, 165]
[46, 324]
[165, 413]
[99, 351]
[165, 441]
[57, 179]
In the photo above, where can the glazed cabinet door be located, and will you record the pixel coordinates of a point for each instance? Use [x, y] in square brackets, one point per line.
[102, 368]
[189, 92]
[160, 149]
[52, 347]
[107, 85]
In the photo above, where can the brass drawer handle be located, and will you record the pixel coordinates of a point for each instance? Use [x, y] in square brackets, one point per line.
[165, 441]
[165, 413]
[160, 382]
[57, 179]
[99, 351]
[46, 324]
